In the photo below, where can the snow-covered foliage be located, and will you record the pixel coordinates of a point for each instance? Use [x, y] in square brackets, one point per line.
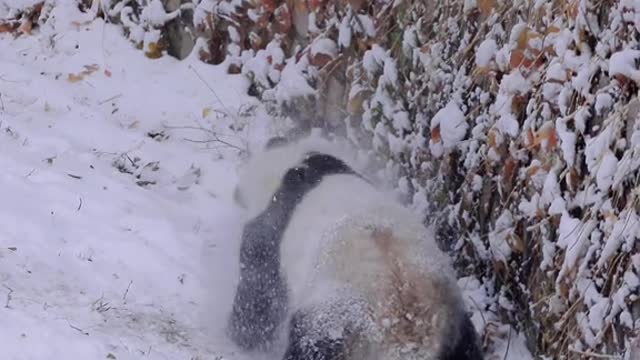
[513, 125]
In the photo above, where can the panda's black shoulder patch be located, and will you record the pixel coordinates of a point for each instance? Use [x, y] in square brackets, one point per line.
[300, 179]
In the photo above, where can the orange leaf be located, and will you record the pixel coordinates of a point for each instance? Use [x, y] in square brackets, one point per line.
[435, 134]
[546, 136]
[552, 139]
[517, 58]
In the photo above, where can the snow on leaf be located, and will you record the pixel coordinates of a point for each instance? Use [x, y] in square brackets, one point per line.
[626, 230]
[623, 63]
[452, 124]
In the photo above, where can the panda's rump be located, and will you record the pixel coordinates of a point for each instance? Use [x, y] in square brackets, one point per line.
[348, 241]
[409, 307]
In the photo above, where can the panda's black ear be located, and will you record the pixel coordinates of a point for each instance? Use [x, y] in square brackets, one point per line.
[275, 142]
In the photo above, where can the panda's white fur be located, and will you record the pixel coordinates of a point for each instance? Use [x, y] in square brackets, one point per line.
[359, 259]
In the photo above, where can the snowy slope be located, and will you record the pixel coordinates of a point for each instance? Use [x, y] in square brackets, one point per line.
[93, 265]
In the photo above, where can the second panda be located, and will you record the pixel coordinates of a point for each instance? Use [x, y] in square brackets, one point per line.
[340, 267]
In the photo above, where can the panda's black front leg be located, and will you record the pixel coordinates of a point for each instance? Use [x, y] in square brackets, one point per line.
[261, 297]
[307, 343]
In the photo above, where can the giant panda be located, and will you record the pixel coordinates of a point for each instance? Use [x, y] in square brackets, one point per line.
[337, 268]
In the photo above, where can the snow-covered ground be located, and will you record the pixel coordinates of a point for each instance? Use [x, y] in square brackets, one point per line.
[110, 221]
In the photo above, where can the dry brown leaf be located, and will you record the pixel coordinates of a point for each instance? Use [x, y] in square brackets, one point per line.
[486, 6]
[270, 5]
[315, 4]
[571, 8]
[491, 139]
[509, 171]
[107, 73]
[533, 170]
[530, 137]
[517, 244]
[525, 56]
[355, 103]
[78, 24]
[91, 68]
[8, 27]
[26, 27]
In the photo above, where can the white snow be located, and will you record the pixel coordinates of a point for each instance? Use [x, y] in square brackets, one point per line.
[344, 34]
[513, 84]
[453, 126]
[623, 63]
[92, 265]
[625, 231]
[324, 46]
[573, 237]
[486, 52]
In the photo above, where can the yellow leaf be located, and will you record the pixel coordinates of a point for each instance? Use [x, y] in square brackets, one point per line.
[73, 78]
[205, 112]
[154, 52]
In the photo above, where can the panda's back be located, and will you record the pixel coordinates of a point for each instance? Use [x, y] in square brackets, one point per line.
[344, 233]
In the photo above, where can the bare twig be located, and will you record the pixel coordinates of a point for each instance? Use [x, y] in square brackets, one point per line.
[109, 99]
[126, 292]
[215, 136]
[30, 173]
[506, 352]
[80, 205]
[9, 297]
[593, 354]
[78, 329]
[212, 91]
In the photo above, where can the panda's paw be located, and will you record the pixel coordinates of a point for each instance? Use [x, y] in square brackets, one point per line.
[305, 343]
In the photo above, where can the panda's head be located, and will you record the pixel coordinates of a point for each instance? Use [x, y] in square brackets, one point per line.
[282, 162]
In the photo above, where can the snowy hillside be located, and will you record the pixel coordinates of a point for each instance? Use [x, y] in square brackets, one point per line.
[106, 211]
